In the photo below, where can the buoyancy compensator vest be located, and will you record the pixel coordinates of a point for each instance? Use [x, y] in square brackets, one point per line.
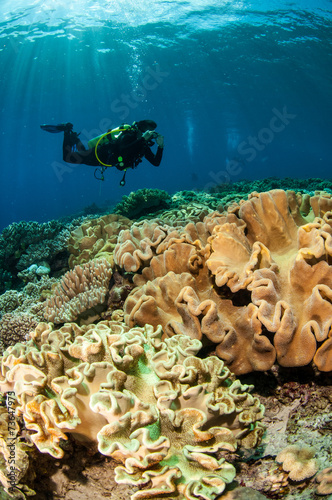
[123, 154]
[109, 136]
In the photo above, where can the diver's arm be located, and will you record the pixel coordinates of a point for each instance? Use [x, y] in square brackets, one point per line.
[154, 159]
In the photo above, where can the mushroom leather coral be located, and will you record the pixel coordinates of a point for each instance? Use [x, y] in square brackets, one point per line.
[136, 246]
[177, 303]
[256, 281]
[299, 461]
[324, 480]
[150, 404]
[287, 268]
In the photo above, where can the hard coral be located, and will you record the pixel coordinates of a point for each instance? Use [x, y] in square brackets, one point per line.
[21, 311]
[25, 243]
[9, 301]
[79, 293]
[167, 415]
[15, 327]
[34, 272]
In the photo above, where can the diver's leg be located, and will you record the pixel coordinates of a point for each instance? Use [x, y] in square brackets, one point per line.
[74, 151]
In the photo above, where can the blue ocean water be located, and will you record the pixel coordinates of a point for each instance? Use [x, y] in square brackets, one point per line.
[240, 90]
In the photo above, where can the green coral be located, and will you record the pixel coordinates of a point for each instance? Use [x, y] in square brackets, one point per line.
[142, 202]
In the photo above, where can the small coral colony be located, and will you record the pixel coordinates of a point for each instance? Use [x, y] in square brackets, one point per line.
[131, 331]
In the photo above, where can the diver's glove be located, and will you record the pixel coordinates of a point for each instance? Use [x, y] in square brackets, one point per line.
[160, 141]
[149, 134]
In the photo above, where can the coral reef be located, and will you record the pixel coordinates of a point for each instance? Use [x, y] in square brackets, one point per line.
[242, 275]
[167, 415]
[79, 293]
[231, 191]
[188, 206]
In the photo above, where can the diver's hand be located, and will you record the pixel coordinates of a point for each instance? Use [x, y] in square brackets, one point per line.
[160, 141]
[147, 135]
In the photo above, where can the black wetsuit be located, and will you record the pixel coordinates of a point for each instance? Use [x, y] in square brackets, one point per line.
[130, 149]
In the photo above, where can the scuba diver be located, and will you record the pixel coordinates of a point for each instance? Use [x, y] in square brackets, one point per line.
[123, 147]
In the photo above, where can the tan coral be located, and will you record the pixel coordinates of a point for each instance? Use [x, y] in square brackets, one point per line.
[96, 238]
[178, 257]
[185, 301]
[243, 286]
[321, 203]
[80, 292]
[176, 291]
[299, 461]
[156, 303]
[150, 404]
[136, 246]
[270, 260]
[269, 220]
[299, 310]
[185, 305]
[234, 260]
[324, 480]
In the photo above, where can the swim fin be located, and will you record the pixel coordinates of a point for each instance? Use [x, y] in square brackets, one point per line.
[55, 129]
